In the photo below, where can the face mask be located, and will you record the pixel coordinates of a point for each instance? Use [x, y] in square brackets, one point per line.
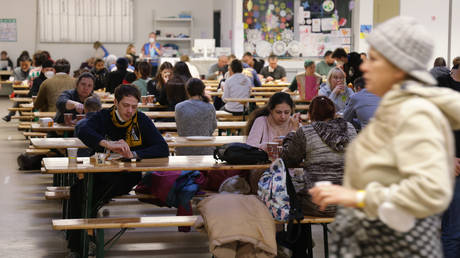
[49, 74]
[151, 40]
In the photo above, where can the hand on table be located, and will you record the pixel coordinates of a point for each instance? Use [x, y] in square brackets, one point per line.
[333, 194]
[120, 147]
[269, 79]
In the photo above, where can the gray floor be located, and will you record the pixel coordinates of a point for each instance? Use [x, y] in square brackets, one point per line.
[25, 225]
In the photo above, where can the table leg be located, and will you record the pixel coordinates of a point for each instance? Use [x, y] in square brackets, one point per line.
[87, 211]
[326, 246]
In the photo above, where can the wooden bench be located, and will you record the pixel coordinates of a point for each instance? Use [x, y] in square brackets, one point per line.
[23, 117]
[25, 126]
[96, 226]
[34, 134]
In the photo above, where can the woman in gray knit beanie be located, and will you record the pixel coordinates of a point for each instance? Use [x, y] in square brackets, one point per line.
[399, 171]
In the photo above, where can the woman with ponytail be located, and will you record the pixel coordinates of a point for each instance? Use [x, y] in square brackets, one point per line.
[195, 117]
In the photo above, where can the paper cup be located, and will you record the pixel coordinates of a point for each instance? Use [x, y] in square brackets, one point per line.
[72, 154]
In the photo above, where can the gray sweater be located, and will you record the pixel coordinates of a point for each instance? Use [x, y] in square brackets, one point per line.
[195, 118]
[319, 148]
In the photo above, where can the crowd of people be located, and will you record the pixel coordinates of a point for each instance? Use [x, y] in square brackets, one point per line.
[400, 164]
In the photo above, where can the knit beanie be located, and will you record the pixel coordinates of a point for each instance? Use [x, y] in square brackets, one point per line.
[406, 44]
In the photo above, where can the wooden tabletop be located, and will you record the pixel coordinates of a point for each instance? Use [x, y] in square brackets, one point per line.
[3, 72]
[73, 142]
[256, 93]
[22, 100]
[20, 87]
[220, 125]
[35, 127]
[249, 100]
[6, 82]
[21, 92]
[170, 114]
[159, 125]
[140, 105]
[44, 114]
[171, 163]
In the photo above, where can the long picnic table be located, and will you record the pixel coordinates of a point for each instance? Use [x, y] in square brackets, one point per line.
[36, 127]
[86, 168]
[178, 141]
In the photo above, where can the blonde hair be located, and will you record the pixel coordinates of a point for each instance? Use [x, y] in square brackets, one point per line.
[335, 70]
[128, 49]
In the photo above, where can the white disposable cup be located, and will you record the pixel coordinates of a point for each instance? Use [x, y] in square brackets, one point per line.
[72, 154]
[323, 183]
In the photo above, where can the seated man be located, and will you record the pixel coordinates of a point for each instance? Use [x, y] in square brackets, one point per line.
[273, 71]
[249, 59]
[71, 101]
[220, 68]
[237, 86]
[123, 130]
[20, 74]
[361, 106]
[324, 66]
[52, 88]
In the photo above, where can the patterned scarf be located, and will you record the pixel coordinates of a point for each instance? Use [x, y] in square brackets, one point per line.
[133, 133]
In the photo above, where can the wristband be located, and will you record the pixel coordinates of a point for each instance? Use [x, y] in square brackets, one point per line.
[360, 198]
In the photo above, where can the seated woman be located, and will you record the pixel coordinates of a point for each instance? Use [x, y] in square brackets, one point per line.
[157, 85]
[319, 148]
[175, 88]
[195, 117]
[142, 72]
[336, 89]
[267, 124]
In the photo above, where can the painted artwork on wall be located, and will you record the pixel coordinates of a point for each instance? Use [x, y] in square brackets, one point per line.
[324, 25]
[268, 26]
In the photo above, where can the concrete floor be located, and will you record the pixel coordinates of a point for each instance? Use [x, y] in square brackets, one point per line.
[25, 225]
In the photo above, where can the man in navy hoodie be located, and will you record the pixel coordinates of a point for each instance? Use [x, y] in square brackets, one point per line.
[124, 130]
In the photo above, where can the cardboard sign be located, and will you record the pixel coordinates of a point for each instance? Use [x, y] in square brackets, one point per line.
[309, 89]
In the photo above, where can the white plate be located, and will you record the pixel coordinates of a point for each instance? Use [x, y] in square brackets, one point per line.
[199, 138]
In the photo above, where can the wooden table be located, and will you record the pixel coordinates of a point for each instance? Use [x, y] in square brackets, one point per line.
[73, 142]
[171, 114]
[21, 92]
[20, 87]
[159, 125]
[44, 114]
[86, 167]
[220, 125]
[29, 100]
[254, 93]
[35, 127]
[140, 105]
[3, 72]
[171, 163]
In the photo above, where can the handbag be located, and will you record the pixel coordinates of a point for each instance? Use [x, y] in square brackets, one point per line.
[238, 153]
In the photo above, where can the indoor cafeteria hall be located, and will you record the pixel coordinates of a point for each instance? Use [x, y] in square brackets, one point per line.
[230, 128]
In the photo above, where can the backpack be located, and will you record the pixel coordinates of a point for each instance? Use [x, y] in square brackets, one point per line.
[29, 162]
[276, 190]
[240, 154]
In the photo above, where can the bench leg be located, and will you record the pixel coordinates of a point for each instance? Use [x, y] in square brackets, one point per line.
[309, 240]
[326, 246]
[99, 243]
[87, 210]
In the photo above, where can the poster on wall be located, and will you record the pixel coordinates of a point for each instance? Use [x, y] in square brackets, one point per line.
[327, 27]
[8, 30]
[269, 27]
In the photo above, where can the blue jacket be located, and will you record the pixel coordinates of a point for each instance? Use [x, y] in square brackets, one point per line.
[362, 105]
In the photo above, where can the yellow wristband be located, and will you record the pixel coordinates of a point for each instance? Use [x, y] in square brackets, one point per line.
[360, 198]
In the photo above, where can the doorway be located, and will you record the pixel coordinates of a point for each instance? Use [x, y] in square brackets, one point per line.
[216, 30]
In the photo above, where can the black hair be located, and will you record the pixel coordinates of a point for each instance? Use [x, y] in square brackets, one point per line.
[144, 68]
[181, 69]
[339, 53]
[25, 59]
[195, 87]
[272, 56]
[236, 66]
[98, 60]
[247, 54]
[126, 90]
[86, 75]
[359, 83]
[62, 66]
[275, 99]
[328, 53]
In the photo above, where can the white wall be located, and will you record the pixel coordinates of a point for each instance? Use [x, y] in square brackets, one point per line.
[225, 7]
[455, 42]
[362, 15]
[26, 19]
[434, 15]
